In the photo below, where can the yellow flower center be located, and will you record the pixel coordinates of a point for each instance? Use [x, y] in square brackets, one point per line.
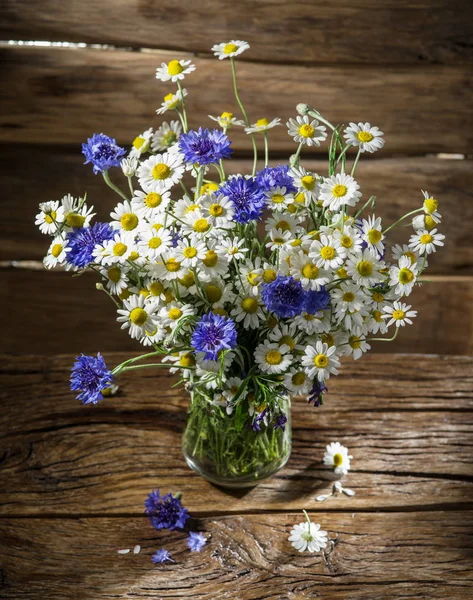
[169, 138]
[114, 274]
[230, 48]
[310, 271]
[346, 241]
[399, 315]
[208, 187]
[252, 278]
[124, 294]
[306, 130]
[175, 67]
[308, 182]
[288, 340]
[327, 252]
[431, 205]
[377, 314]
[134, 256]
[262, 123]
[327, 338]
[187, 360]
[321, 361]
[342, 273]
[296, 242]
[119, 249]
[348, 296]
[220, 311]
[128, 221]
[138, 316]
[49, 218]
[216, 210]
[211, 258]
[412, 256]
[228, 116]
[377, 297]
[364, 136]
[153, 200]
[249, 305]
[298, 378]
[374, 236]
[161, 171]
[272, 322]
[213, 292]
[189, 252]
[168, 97]
[277, 198]
[425, 238]
[273, 357]
[172, 265]
[75, 220]
[429, 223]
[156, 288]
[364, 268]
[187, 280]
[201, 225]
[138, 142]
[339, 190]
[56, 250]
[269, 275]
[354, 342]
[155, 242]
[191, 208]
[337, 460]
[175, 313]
[405, 276]
[283, 226]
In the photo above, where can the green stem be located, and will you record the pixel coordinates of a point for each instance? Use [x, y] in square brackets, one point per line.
[266, 149]
[111, 185]
[356, 162]
[200, 176]
[307, 518]
[184, 112]
[413, 212]
[245, 116]
[152, 365]
[295, 158]
[371, 199]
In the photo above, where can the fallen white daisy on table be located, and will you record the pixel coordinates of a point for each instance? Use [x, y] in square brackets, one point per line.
[308, 536]
[337, 456]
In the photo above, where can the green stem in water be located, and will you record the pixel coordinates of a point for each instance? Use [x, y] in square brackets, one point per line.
[111, 185]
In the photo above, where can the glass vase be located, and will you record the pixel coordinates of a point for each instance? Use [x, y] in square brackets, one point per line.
[227, 450]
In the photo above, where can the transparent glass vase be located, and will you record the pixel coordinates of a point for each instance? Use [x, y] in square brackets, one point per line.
[227, 451]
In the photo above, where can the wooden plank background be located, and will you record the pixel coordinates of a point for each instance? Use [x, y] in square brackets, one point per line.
[405, 66]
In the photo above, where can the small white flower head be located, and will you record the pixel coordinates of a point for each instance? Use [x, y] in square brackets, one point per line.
[399, 314]
[373, 233]
[304, 270]
[166, 136]
[218, 209]
[364, 268]
[142, 143]
[57, 253]
[320, 361]
[306, 131]
[424, 221]
[337, 456]
[425, 242]
[137, 317]
[307, 183]
[430, 206]
[125, 217]
[227, 120]
[129, 166]
[403, 276]
[229, 49]
[153, 243]
[278, 198]
[160, 172]
[248, 311]
[174, 70]
[328, 252]
[273, 358]
[49, 216]
[234, 248]
[339, 190]
[364, 136]
[297, 382]
[308, 536]
[262, 125]
[150, 205]
[172, 101]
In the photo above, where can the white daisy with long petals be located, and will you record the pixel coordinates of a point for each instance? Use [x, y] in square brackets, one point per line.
[425, 242]
[160, 172]
[321, 361]
[172, 101]
[337, 456]
[141, 143]
[262, 125]
[137, 317]
[227, 120]
[399, 314]
[306, 131]
[364, 136]
[273, 358]
[403, 276]
[229, 49]
[174, 70]
[166, 136]
[308, 536]
[339, 190]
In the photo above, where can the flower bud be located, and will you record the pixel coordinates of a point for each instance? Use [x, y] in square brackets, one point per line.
[129, 166]
[303, 109]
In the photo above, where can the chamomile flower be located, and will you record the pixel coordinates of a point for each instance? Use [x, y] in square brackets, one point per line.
[373, 234]
[304, 269]
[430, 207]
[190, 250]
[155, 336]
[153, 243]
[398, 251]
[184, 361]
[252, 275]
[129, 166]
[262, 125]
[337, 457]
[50, 215]
[278, 198]
[279, 239]
[424, 221]
[125, 217]
[116, 277]
[218, 292]
[272, 358]
[287, 335]
[339, 190]
[150, 205]
[248, 311]
[308, 536]
[297, 382]
[374, 323]
[328, 252]
[185, 206]
[320, 361]
[229, 49]
[174, 70]
[168, 267]
[350, 239]
[141, 143]
[137, 317]
[307, 182]
[227, 120]
[349, 297]
[57, 253]
[425, 242]
[306, 131]
[219, 210]
[171, 313]
[403, 276]
[234, 248]
[197, 223]
[172, 101]
[166, 136]
[313, 323]
[284, 223]
[364, 136]
[232, 385]
[364, 268]
[76, 213]
[356, 346]
[160, 172]
[214, 263]
[399, 314]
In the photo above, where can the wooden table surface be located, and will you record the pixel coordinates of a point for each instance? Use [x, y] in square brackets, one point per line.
[73, 480]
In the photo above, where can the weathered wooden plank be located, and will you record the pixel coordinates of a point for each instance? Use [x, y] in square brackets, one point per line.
[248, 557]
[58, 457]
[299, 32]
[61, 313]
[396, 183]
[63, 95]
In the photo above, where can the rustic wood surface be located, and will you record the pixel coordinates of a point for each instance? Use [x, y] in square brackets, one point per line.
[303, 31]
[58, 95]
[73, 480]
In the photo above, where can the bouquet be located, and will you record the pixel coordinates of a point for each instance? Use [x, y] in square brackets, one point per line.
[250, 286]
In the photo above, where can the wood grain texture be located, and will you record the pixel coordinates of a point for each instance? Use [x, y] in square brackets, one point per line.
[410, 431]
[69, 315]
[396, 183]
[368, 31]
[62, 95]
[247, 557]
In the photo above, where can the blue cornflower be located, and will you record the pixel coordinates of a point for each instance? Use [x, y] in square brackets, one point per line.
[196, 541]
[247, 197]
[260, 418]
[81, 243]
[281, 421]
[316, 393]
[284, 296]
[271, 177]
[175, 237]
[103, 152]
[204, 147]
[165, 512]
[161, 556]
[90, 376]
[315, 301]
[212, 334]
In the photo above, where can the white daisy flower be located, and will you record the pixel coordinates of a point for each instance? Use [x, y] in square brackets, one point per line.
[306, 131]
[287, 335]
[311, 324]
[403, 276]
[185, 206]
[76, 213]
[284, 223]
[304, 270]
[184, 361]
[350, 239]
[349, 297]
[423, 221]
[320, 361]
[125, 217]
[328, 252]
[430, 207]
[308, 536]
[219, 209]
[172, 101]
[372, 233]
[227, 120]
[214, 263]
[153, 244]
[307, 182]
[196, 223]
[252, 275]
[262, 125]
[137, 317]
[272, 358]
[297, 382]
[57, 253]
[424, 242]
[154, 337]
[279, 239]
[50, 215]
[172, 312]
[374, 322]
[116, 276]
[150, 205]
[399, 313]
[232, 385]
[364, 136]
[166, 136]
[339, 190]
[174, 70]
[364, 268]
[160, 172]
[229, 49]
[398, 251]
[190, 251]
[248, 311]
[356, 346]
[337, 456]
[234, 248]
[218, 292]
[129, 166]
[141, 143]
[278, 198]
[168, 267]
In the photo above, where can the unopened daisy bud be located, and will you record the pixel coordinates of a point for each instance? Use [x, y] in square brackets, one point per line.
[303, 109]
[99, 287]
[129, 166]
